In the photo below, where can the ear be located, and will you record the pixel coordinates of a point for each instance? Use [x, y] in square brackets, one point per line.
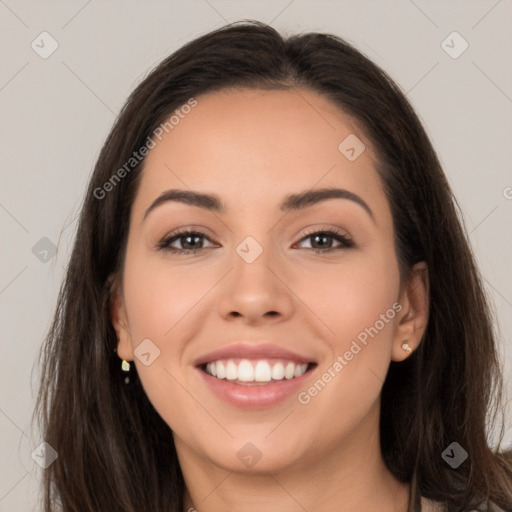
[413, 317]
[119, 319]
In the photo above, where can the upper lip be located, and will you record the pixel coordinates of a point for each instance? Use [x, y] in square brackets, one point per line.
[246, 350]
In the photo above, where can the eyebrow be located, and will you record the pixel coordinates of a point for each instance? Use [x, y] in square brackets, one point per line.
[292, 202]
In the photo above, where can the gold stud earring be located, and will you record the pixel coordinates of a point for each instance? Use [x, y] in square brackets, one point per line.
[407, 348]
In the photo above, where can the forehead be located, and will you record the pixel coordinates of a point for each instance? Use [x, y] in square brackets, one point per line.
[252, 147]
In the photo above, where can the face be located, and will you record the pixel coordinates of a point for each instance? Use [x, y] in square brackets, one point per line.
[313, 284]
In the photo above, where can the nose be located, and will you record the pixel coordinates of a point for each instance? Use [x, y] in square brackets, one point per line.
[256, 292]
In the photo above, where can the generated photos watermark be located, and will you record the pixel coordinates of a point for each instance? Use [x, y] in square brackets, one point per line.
[139, 155]
[357, 345]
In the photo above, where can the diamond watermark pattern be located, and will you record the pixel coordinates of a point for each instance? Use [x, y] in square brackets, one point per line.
[44, 250]
[454, 45]
[44, 455]
[146, 352]
[249, 249]
[249, 454]
[351, 147]
[44, 45]
[454, 455]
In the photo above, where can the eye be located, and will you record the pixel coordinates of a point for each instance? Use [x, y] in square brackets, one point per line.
[322, 240]
[190, 241]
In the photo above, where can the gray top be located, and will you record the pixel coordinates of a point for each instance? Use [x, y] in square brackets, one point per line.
[435, 506]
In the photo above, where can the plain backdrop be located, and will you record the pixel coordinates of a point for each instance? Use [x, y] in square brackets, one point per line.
[56, 112]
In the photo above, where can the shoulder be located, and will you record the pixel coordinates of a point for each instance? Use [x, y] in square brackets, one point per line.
[431, 506]
[436, 506]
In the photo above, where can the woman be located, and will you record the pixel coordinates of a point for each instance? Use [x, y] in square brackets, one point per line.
[271, 303]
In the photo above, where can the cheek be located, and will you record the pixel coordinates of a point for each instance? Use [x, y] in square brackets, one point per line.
[358, 304]
[160, 296]
[162, 302]
[357, 301]
[165, 302]
[352, 295]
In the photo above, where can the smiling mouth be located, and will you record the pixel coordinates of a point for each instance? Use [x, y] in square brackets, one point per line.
[260, 372]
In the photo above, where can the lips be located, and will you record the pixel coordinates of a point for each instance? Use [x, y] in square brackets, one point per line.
[243, 389]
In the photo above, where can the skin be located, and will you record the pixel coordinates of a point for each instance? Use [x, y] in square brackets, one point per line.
[318, 456]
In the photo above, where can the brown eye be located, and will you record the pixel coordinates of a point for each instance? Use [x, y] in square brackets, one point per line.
[190, 242]
[322, 241]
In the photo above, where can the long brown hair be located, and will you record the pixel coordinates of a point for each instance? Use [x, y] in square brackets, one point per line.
[115, 452]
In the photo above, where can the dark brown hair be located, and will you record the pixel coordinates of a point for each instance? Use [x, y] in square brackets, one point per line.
[115, 451]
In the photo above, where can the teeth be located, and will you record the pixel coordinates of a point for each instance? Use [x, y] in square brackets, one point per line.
[278, 371]
[289, 371]
[262, 372]
[255, 371]
[245, 371]
[220, 370]
[231, 371]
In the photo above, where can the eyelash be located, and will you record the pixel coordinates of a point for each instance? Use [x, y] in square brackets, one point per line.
[165, 244]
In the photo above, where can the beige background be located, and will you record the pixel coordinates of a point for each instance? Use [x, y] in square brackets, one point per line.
[56, 113]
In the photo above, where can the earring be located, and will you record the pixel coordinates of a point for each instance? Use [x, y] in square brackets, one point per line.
[407, 348]
[125, 366]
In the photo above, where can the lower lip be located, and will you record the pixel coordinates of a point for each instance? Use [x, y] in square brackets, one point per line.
[254, 396]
